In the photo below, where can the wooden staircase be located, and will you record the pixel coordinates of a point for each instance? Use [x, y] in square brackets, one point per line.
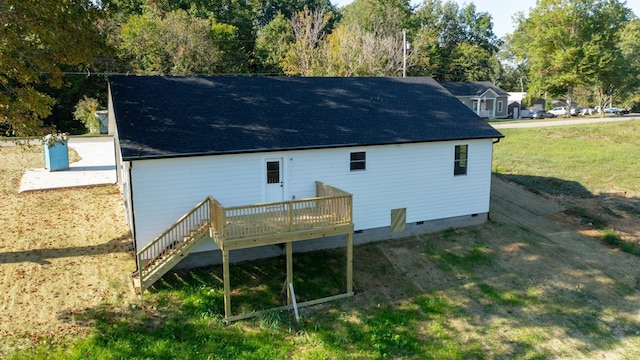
[174, 244]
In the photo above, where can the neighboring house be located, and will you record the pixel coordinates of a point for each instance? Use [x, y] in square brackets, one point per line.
[483, 97]
[408, 155]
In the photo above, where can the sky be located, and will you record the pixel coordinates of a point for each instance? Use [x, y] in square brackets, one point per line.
[502, 10]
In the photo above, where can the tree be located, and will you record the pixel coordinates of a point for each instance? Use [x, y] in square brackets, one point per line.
[453, 43]
[380, 17]
[627, 75]
[177, 44]
[40, 40]
[568, 43]
[309, 30]
[470, 62]
[272, 45]
[85, 112]
[351, 51]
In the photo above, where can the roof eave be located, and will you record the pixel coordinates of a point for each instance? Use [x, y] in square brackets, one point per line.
[254, 151]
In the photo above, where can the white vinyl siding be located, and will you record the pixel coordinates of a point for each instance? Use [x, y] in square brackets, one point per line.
[418, 177]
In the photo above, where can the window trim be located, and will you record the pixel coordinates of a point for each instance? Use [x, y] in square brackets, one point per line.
[460, 160]
[357, 162]
[500, 107]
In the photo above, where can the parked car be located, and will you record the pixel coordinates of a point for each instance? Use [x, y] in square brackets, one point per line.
[541, 114]
[615, 111]
[525, 114]
[558, 111]
[562, 111]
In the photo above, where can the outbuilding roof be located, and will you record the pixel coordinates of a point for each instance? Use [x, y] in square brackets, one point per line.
[158, 116]
[472, 88]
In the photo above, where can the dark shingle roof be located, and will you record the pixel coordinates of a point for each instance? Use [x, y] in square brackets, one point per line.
[472, 88]
[181, 116]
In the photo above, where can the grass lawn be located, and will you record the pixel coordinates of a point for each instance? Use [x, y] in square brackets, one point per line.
[536, 281]
[591, 159]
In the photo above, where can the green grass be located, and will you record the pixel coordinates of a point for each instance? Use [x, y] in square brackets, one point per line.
[504, 297]
[611, 237]
[586, 161]
[572, 160]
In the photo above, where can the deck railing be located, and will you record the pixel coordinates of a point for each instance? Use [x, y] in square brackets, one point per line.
[173, 238]
[292, 215]
[332, 206]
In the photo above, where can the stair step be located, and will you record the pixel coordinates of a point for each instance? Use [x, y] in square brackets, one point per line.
[152, 269]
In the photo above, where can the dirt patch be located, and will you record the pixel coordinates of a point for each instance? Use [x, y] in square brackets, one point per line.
[522, 283]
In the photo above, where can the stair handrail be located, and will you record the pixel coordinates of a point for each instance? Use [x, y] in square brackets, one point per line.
[148, 249]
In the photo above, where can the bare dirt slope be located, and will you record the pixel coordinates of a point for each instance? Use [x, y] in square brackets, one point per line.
[523, 283]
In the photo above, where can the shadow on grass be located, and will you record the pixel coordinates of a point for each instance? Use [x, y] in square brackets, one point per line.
[170, 333]
[182, 315]
[43, 255]
[609, 205]
[549, 185]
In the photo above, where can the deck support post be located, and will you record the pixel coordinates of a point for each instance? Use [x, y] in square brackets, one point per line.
[350, 262]
[289, 270]
[227, 283]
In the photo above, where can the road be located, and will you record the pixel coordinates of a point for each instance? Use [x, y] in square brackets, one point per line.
[507, 124]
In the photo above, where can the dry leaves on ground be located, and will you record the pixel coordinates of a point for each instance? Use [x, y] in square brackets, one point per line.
[61, 252]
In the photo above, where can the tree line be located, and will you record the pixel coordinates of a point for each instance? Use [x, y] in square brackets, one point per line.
[57, 52]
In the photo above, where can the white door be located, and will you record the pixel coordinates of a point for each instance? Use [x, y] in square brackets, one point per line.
[274, 189]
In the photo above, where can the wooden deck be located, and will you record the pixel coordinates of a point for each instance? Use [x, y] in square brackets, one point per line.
[240, 227]
[274, 223]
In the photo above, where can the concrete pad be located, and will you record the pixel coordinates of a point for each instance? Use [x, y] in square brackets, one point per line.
[97, 167]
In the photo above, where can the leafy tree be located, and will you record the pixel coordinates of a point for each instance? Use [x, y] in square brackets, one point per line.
[177, 44]
[627, 75]
[272, 45]
[40, 40]
[266, 11]
[233, 57]
[514, 74]
[351, 51]
[470, 62]
[568, 43]
[85, 112]
[380, 17]
[453, 43]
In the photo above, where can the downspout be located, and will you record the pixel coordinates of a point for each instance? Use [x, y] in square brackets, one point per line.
[489, 212]
[133, 220]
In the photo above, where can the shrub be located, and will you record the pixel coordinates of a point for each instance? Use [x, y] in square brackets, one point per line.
[85, 112]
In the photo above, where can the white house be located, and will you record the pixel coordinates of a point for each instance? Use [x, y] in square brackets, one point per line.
[413, 157]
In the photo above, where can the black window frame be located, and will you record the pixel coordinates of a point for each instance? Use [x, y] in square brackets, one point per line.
[357, 161]
[461, 160]
[273, 174]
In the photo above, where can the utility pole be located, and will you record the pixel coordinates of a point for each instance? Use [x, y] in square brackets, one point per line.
[404, 53]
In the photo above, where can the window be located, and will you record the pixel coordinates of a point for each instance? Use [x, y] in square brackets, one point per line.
[460, 160]
[499, 106]
[358, 161]
[273, 172]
